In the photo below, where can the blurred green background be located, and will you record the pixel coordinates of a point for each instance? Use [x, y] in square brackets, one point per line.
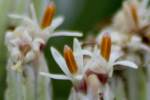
[80, 15]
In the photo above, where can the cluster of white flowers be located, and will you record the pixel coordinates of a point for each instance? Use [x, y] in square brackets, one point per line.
[27, 40]
[89, 77]
[130, 30]
[90, 71]
[25, 45]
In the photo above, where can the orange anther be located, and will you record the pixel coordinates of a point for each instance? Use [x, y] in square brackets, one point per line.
[106, 46]
[70, 60]
[48, 15]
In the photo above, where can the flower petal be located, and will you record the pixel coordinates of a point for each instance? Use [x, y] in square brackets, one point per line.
[66, 33]
[60, 61]
[86, 52]
[97, 56]
[126, 63]
[78, 54]
[55, 23]
[115, 56]
[34, 18]
[55, 76]
[21, 17]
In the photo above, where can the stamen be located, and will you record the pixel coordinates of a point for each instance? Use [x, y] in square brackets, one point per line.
[24, 49]
[48, 15]
[133, 11]
[106, 46]
[70, 60]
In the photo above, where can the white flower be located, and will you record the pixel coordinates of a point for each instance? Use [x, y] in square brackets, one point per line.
[26, 42]
[133, 17]
[44, 31]
[22, 47]
[72, 64]
[103, 59]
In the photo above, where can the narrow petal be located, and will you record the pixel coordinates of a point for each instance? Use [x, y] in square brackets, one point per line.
[66, 33]
[55, 23]
[34, 18]
[55, 76]
[16, 16]
[98, 57]
[60, 61]
[126, 63]
[114, 56]
[78, 53]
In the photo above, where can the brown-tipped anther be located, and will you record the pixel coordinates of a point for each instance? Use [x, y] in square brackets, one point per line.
[106, 46]
[70, 60]
[134, 14]
[24, 49]
[48, 15]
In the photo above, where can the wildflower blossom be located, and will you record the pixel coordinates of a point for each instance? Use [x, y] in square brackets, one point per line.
[45, 30]
[133, 18]
[103, 58]
[72, 64]
[103, 61]
[33, 34]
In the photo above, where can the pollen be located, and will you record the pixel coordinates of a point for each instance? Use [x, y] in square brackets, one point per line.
[70, 60]
[106, 46]
[48, 15]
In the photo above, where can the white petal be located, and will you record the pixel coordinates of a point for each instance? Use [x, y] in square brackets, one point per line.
[97, 56]
[25, 18]
[78, 54]
[60, 61]
[76, 46]
[86, 52]
[79, 77]
[29, 56]
[34, 18]
[55, 76]
[126, 63]
[114, 56]
[15, 42]
[25, 37]
[55, 23]
[66, 33]
[15, 53]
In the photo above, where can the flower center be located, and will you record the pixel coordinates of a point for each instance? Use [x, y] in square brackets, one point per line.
[48, 15]
[106, 46]
[70, 60]
[103, 77]
[25, 48]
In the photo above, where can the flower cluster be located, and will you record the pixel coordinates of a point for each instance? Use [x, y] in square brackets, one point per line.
[25, 46]
[88, 77]
[90, 71]
[130, 37]
[26, 42]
